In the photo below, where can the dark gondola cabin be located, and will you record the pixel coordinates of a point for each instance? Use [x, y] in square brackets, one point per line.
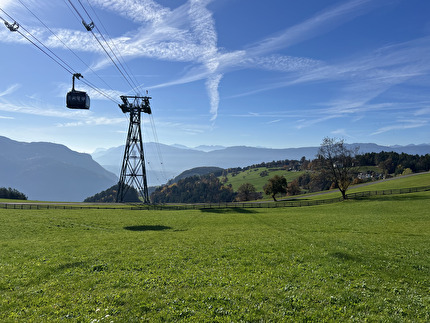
[77, 100]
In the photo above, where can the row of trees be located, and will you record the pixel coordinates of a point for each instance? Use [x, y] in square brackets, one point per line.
[11, 193]
[277, 185]
[395, 163]
[286, 164]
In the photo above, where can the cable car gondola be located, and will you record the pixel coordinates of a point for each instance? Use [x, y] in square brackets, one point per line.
[77, 99]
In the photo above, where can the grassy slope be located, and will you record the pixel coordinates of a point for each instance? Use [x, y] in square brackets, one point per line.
[253, 176]
[354, 260]
[416, 180]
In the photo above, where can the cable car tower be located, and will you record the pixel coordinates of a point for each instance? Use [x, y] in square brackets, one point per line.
[133, 170]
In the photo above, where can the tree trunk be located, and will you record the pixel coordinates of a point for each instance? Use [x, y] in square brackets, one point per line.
[273, 196]
[343, 194]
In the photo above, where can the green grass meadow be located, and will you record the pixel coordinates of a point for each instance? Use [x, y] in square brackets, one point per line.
[351, 261]
[253, 176]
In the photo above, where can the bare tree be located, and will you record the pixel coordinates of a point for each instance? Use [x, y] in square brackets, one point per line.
[337, 162]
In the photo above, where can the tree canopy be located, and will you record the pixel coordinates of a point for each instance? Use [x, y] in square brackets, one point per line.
[11, 193]
[276, 185]
[337, 162]
[247, 192]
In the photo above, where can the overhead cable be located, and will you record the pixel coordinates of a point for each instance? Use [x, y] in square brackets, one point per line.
[73, 52]
[100, 43]
[44, 49]
[57, 60]
[121, 60]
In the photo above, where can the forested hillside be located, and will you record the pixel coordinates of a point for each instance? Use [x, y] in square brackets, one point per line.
[109, 196]
[194, 189]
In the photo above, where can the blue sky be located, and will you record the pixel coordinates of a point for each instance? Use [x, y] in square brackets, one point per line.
[276, 73]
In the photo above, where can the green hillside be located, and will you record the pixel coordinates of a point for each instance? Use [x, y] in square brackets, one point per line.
[253, 176]
[414, 180]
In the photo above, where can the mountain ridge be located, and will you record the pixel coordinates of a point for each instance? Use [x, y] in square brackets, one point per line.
[51, 172]
[175, 160]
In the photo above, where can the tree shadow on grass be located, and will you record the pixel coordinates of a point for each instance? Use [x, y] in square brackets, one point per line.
[227, 210]
[147, 228]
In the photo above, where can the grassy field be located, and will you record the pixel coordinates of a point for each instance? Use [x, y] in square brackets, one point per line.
[253, 176]
[399, 182]
[414, 180]
[350, 261]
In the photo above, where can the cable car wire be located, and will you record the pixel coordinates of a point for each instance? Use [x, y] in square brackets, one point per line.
[122, 60]
[64, 65]
[112, 51]
[71, 10]
[90, 27]
[157, 146]
[48, 53]
[76, 55]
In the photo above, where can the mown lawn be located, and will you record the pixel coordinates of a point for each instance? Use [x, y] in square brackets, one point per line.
[350, 261]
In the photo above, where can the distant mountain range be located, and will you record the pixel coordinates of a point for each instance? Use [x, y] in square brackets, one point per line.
[51, 172]
[164, 162]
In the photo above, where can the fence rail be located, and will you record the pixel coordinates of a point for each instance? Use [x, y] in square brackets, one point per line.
[199, 206]
[388, 192]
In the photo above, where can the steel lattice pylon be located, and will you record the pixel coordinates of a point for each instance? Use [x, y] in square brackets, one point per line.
[133, 171]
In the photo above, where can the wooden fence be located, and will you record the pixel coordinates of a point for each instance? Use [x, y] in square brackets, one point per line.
[300, 202]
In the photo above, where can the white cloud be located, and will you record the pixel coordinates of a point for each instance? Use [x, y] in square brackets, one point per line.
[5, 3]
[312, 27]
[80, 117]
[402, 125]
[212, 87]
[307, 123]
[274, 121]
[10, 90]
[340, 133]
[284, 63]
[422, 112]
[188, 34]
[92, 121]
[138, 11]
